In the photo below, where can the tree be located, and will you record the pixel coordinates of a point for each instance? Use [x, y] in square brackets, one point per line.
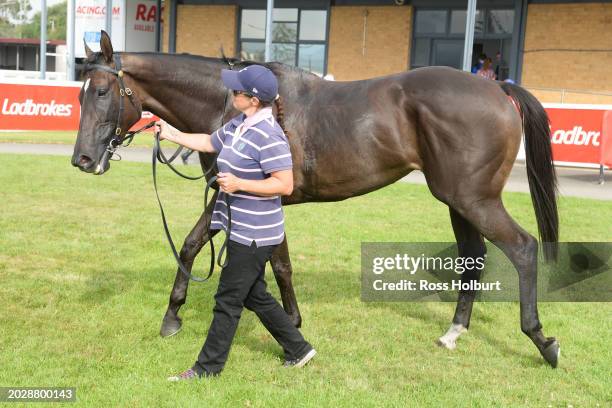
[15, 11]
[56, 23]
[7, 29]
[13, 14]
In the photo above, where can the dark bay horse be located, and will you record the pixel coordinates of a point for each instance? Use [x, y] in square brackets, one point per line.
[350, 138]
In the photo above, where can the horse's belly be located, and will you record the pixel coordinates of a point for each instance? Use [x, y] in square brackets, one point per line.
[339, 185]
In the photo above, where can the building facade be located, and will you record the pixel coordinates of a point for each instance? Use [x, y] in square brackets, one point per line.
[561, 50]
[24, 54]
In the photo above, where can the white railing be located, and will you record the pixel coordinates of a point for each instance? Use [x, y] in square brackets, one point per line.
[61, 63]
[565, 93]
[14, 74]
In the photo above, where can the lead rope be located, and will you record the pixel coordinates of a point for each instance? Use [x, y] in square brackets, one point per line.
[158, 155]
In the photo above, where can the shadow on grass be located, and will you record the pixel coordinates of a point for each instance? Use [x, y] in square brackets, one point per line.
[103, 286]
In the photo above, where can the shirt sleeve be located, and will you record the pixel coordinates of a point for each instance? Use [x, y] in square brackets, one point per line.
[275, 154]
[217, 138]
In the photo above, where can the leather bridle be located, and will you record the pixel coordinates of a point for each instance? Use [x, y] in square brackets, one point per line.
[119, 137]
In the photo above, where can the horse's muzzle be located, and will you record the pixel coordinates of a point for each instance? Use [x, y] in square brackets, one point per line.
[83, 162]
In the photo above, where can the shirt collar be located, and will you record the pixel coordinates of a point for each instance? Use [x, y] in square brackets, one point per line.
[263, 113]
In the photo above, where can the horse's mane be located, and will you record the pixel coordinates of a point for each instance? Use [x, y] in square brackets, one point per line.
[277, 67]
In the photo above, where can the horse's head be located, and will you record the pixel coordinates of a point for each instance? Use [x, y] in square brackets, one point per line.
[108, 109]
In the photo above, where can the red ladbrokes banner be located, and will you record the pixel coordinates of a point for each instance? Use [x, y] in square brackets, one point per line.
[578, 134]
[39, 107]
[606, 142]
[44, 105]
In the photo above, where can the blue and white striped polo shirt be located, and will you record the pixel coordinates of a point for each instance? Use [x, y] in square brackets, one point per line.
[251, 148]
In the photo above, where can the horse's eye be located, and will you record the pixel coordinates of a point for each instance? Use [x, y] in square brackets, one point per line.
[102, 92]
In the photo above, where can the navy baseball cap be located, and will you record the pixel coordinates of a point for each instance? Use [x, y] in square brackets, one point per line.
[257, 80]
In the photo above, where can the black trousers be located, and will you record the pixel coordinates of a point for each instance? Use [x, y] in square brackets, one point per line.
[242, 284]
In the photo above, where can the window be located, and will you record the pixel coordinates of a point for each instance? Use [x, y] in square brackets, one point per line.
[500, 21]
[439, 33]
[253, 24]
[312, 57]
[431, 21]
[457, 24]
[254, 51]
[298, 37]
[313, 24]
[421, 52]
[448, 53]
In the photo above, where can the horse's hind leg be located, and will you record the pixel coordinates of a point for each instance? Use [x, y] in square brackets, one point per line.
[194, 242]
[281, 266]
[491, 219]
[470, 244]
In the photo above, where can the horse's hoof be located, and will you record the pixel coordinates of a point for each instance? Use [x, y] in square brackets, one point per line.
[551, 352]
[449, 340]
[446, 343]
[170, 326]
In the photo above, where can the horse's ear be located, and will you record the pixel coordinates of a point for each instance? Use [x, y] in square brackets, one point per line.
[223, 56]
[106, 47]
[88, 50]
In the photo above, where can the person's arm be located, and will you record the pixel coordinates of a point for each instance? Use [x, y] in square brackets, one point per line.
[200, 142]
[279, 183]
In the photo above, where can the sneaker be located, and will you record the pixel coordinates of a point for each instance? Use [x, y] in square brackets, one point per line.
[301, 362]
[190, 374]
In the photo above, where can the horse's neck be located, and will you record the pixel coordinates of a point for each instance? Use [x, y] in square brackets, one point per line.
[185, 92]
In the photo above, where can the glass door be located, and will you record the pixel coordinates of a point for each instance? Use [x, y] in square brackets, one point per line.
[448, 53]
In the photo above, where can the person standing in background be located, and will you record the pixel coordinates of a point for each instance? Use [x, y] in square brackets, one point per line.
[498, 63]
[486, 71]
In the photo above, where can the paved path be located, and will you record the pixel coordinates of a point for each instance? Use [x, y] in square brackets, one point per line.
[572, 182]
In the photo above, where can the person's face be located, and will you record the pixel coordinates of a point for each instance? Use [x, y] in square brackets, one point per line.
[243, 100]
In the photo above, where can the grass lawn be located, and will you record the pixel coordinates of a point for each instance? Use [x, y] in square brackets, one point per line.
[86, 275]
[144, 139]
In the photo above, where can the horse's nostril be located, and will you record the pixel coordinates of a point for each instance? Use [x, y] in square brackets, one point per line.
[84, 161]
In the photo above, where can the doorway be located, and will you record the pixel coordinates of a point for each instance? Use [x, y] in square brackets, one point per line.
[499, 52]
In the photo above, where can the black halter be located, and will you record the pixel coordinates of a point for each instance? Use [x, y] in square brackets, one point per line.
[119, 137]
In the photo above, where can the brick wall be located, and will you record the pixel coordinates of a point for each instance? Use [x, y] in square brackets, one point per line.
[569, 26]
[166, 25]
[202, 29]
[387, 43]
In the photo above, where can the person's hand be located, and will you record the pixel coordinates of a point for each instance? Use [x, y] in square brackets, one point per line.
[166, 131]
[228, 182]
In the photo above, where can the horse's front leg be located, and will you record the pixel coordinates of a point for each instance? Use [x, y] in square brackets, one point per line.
[281, 265]
[194, 242]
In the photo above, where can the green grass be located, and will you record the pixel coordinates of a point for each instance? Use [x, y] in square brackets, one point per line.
[144, 139]
[86, 274]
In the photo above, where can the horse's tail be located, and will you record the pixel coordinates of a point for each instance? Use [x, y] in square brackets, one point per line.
[540, 168]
